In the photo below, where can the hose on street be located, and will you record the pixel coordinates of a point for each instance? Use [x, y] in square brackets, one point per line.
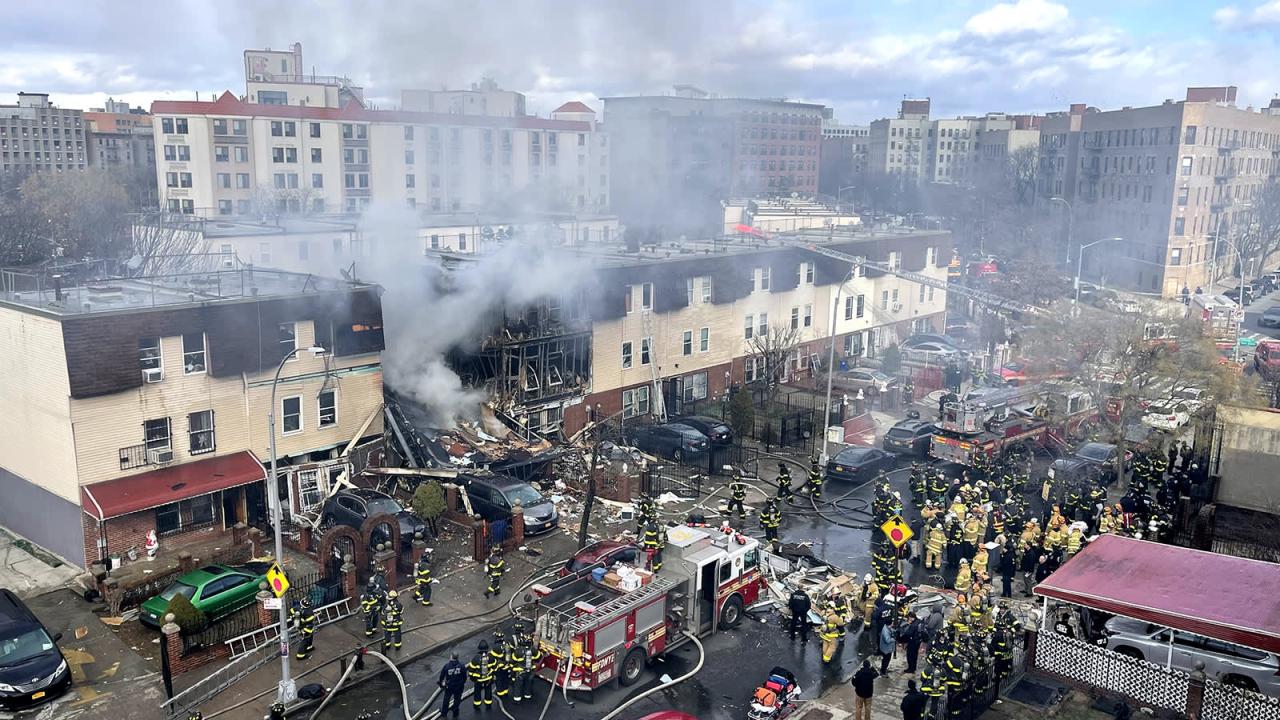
[702, 658]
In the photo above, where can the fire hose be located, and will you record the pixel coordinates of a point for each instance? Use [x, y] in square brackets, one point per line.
[702, 657]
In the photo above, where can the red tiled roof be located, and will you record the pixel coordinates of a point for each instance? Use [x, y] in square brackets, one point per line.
[229, 105]
[573, 106]
[1223, 597]
[113, 498]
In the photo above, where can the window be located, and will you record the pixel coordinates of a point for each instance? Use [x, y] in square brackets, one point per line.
[762, 328]
[309, 491]
[220, 126]
[764, 279]
[848, 308]
[862, 305]
[1186, 165]
[290, 415]
[149, 353]
[328, 408]
[155, 434]
[1179, 226]
[895, 260]
[695, 387]
[168, 519]
[808, 316]
[200, 432]
[749, 326]
[316, 155]
[171, 179]
[224, 207]
[193, 351]
[315, 129]
[795, 318]
[184, 153]
[224, 181]
[645, 344]
[288, 337]
[408, 157]
[626, 355]
[1183, 194]
[1175, 256]
[686, 346]
[317, 180]
[706, 288]
[408, 132]
[635, 401]
[646, 296]
[688, 287]
[184, 180]
[1190, 138]
[435, 242]
[242, 181]
[277, 128]
[221, 153]
[410, 181]
[884, 299]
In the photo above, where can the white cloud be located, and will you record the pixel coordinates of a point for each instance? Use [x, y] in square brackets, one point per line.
[1017, 17]
[1231, 17]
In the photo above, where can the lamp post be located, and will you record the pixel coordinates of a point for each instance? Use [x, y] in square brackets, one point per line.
[840, 191]
[287, 691]
[1235, 351]
[831, 363]
[1070, 218]
[1080, 263]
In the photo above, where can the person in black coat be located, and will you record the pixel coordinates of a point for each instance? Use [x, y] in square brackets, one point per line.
[911, 635]
[452, 681]
[799, 604]
[913, 703]
[1007, 571]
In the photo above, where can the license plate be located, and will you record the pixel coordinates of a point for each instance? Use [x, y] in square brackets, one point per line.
[37, 696]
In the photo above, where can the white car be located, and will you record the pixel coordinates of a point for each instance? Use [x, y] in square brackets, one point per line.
[932, 352]
[1167, 415]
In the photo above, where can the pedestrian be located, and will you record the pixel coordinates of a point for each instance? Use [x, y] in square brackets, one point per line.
[887, 647]
[480, 670]
[933, 625]
[494, 567]
[452, 681]
[422, 579]
[913, 703]
[306, 628]
[799, 604]
[737, 495]
[863, 687]
[912, 635]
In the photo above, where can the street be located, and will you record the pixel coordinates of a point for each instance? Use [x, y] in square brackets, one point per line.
[1250, 327]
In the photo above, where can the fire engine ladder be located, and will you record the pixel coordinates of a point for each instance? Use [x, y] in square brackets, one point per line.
[979, 296]
[656, 588]
[656, 399]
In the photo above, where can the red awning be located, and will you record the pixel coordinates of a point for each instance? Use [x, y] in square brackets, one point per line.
[1218, 596]
[114, 498]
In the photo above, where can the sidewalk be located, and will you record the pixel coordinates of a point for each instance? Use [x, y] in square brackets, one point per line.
[458, 609]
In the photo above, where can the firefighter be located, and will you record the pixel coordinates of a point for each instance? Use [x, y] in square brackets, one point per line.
[815, 479]
[480, 670]
[838, 604]
[784, 482]
[933, 685]
[422, 580]
[866, 599]
[1075, 539]
[964, 577]
[307, 628]
[371, 606]
[799, 604]
[979, 564]
[770, 518]
[937, 486]
[526, 656]
[918, 483]
[452, 681]
[737, 495]
[1002, 649]
[832, 632]
[500, 656]
[934, 547]
[494, 567]
[646, 510]
[392, 619]
[654, 541]
[969, 539]
[908, 392]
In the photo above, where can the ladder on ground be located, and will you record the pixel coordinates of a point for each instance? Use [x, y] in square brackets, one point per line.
[245, 644]
[657, 587]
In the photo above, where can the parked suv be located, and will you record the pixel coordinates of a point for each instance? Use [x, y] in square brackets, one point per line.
[909, 437]
[1266, 359]
[493, 496]
[353, 507]
[1231, 664]
[32, 669]
[674, 440]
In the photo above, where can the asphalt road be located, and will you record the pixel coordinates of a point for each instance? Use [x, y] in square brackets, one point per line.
[1250, 326]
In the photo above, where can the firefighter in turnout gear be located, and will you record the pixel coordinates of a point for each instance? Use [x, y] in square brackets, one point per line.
[422, 580]
[371, 606]
[494, 567]
[784, 482]
[392, 619]
[480, 670]
[832, 631]
[646, 511]
[815, 479]
[306, 628]
[526, 656]
[655, 538]
[500, 655]
[737, 495]
[934, 547]
[919, 483]
[770, 518]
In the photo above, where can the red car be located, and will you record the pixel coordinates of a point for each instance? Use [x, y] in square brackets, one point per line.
[605, 551]
[668, 715]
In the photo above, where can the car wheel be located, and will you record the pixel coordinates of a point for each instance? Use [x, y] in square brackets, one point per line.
[1130, 652]
[731, 613]
[632, 666]
[1240, 681]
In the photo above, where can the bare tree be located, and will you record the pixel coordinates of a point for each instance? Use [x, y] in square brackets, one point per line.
[164, 243]
[1256, 228]
[80, 214]
[772, 350]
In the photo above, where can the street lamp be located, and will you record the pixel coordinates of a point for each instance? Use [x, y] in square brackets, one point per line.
[1070, 216]
[288, 690]
[1080, 262]
[840, 191]
[1235, 351]
[831, 363]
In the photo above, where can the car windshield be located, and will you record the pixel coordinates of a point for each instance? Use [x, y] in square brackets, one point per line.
[23, 644]
[1095, 452]
[900, 433]
[524, 493]
[380, 505]
[179, 588]
[1272, 311]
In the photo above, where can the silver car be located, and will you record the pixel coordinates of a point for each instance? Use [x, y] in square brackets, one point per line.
[1223, 661]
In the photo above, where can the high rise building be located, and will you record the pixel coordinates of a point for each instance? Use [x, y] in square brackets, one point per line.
[37, 136]
[843, 157]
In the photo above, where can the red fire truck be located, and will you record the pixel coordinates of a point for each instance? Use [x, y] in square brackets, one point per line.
[706, 580]
[1002, 421]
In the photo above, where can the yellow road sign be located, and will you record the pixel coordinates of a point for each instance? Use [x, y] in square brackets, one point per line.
[277, 581]
[895, 528]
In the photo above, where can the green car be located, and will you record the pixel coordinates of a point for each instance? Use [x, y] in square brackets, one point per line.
[216, 590]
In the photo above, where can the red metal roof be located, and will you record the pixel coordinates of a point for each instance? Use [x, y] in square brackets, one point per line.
[125, 495]
[573, 106]
[228, 105]
[1218, 596]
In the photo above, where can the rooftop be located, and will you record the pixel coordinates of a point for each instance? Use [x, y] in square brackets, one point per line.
[61, 295]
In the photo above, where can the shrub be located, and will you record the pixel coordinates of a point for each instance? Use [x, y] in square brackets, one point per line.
[187, 616]
[742, 414]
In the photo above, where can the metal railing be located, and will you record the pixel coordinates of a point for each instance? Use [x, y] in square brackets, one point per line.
[134, 456]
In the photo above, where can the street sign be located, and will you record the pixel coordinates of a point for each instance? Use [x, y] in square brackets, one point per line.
[1248, 342]
[277, 581]
[274, 603]
[895, 528]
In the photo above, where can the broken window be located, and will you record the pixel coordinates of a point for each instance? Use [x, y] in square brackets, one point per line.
[193, 353]
[554, 378]
[626, 355]
[644, 350]
[695, 387]
[288, 335]
[626, 299]
[200, 432]
[149, 353]
[327, 403]
[635, 401]
[531, 377]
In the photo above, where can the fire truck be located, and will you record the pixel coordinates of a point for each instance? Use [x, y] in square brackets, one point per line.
[611, 628]
[996, 422]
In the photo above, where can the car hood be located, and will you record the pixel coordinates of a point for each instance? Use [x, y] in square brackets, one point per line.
[540, 511]
[32, 669]
[408, 522]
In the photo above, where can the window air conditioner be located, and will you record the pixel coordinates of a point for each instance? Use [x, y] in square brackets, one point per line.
[153, 375]
[157, 456]
[897, 307]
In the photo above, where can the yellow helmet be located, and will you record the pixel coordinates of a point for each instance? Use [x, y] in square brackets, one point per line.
[393, 594]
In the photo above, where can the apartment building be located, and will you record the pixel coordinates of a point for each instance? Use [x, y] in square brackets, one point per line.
[119, 137]
[843, 154]
[484, 98]
[279, 77]
[1163, 181]
[141, 405]
[899, 146]
[37, 136]
[677, 156]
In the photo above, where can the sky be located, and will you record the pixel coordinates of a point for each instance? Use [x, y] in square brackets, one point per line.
[861, 58]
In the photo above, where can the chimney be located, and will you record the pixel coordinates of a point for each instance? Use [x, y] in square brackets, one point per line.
[1078, 108]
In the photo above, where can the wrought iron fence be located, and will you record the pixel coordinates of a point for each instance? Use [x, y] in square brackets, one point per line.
[1224, 702]
[221, 630]
[682, 480]
[138, 593]
[1139, 680]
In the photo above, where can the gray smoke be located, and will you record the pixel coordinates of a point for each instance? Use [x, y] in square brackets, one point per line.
[428, 311]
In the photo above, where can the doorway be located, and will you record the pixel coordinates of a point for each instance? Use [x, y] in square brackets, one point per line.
[231, 513]
[706, 597]
[255, 503]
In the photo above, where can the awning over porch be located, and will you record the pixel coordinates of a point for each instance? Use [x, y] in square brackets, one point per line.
[113, 498]
[1227, 598]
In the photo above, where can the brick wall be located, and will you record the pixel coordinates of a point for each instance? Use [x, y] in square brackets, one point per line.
[608, 402]
[131, 530]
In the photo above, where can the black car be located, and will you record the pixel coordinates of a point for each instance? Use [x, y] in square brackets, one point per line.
[909, 437]
[859, 463]
[353, 507]
[1095, 461]
[717, 431]
[1270, 317]
[493, 496]
[674, 440]
[1234, 294]
[32, 669]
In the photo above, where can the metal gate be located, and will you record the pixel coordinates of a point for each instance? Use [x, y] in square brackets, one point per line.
[746, 459]
[681, 480]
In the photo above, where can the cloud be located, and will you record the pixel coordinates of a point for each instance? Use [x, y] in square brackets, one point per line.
[1232, 17]
[1023, 16]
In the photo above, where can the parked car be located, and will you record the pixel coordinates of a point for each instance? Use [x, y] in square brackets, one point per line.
[909, 437]
[1096, 460]
[1223, 661]
[1262, 285]
[1266, 359]
[606, 552]
[32, 669]
[493, 496]
[353, 507]
[215, 590]
[1167, 415]
[674, 440]
[931, 352]
[859, 463]
[867, 379]
[921, 338]
[1270, 317]
[717, 431]
[1234, 294]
